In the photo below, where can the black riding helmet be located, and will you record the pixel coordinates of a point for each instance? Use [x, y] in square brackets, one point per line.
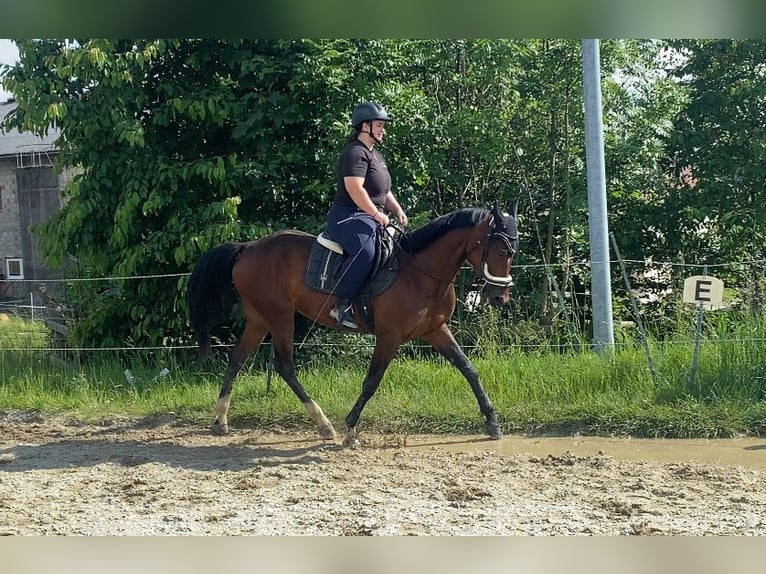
[368, 111]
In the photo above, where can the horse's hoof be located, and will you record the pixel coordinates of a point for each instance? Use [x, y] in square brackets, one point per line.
[351, 440]
[327, 433]
[494, 431]
[219, 429]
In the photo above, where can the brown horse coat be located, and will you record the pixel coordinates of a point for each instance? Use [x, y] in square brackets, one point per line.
[268, 276]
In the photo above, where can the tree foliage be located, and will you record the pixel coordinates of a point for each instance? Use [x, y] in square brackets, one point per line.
[719, 151]
[179, 145]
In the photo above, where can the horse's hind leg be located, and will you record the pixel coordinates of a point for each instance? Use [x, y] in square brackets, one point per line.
[285, 366]
[248, 343]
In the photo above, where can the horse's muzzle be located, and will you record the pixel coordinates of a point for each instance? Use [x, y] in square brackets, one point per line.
[496, 296]
[499, 300]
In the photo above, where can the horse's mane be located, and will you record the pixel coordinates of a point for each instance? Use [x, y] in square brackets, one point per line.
[420, 238]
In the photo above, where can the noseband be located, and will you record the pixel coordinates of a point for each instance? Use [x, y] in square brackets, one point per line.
[485, 274]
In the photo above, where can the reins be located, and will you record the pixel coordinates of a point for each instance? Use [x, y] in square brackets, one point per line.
[482, 274]
[412, 257]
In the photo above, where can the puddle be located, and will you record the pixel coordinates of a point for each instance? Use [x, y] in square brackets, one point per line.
[748, 452]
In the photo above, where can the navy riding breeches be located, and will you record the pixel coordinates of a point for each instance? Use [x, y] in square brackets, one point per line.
[355, 230]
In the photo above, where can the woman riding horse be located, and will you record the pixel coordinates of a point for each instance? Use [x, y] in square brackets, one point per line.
[269, 276]
[363, 191]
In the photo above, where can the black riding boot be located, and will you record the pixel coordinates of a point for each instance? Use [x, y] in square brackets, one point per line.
[343, 313]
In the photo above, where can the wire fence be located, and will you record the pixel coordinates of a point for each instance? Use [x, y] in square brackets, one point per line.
[655, 282]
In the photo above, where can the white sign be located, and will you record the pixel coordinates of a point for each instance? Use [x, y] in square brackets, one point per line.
[703, 290]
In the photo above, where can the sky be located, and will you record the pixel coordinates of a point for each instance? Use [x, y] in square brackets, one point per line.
[9, 54]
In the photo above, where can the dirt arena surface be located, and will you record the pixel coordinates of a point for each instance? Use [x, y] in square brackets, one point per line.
[122, 477]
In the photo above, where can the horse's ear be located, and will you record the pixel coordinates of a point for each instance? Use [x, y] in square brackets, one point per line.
[497, 214]
[513, 208]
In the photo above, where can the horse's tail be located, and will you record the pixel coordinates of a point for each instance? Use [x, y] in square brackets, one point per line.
[210, 293]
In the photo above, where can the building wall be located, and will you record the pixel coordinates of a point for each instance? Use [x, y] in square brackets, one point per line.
[38, 192]
[10, 234]
[28, 196]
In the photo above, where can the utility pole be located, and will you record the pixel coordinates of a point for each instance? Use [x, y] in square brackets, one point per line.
[601, 290]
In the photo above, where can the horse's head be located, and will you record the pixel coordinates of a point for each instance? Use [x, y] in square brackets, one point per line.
[493, 255]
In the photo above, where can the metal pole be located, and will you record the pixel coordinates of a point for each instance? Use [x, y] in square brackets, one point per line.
[603, 324]
[697, 339]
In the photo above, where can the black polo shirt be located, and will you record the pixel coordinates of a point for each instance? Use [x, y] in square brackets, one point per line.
[358, 160]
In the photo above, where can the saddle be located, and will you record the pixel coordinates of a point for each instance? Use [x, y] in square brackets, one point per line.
[324, 266]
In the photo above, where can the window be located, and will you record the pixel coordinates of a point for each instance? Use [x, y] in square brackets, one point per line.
[14, 268]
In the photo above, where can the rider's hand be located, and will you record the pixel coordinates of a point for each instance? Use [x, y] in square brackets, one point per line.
[402, 217]
[381, 218]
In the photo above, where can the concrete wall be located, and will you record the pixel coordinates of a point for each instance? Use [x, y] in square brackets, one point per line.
[38, 198]
[29, 196]
[10, 234]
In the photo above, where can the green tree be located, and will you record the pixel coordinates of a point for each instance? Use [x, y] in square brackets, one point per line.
[182, 144]
[639, 101]
[719, 148]
[178, 145]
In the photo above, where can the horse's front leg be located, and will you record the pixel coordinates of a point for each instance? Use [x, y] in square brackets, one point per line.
[385, 351]
[443, 341]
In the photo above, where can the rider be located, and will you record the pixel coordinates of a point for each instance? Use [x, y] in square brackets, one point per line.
[363, 191]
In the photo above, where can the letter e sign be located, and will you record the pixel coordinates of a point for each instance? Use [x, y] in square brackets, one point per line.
[703, 290]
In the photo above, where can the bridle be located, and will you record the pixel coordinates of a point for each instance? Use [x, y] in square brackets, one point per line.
[509, 240]
[483, 275]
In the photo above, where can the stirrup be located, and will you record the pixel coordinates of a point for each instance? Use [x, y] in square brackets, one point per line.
[343, 317]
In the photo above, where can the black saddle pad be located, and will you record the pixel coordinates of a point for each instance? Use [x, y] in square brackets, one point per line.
[322, 272]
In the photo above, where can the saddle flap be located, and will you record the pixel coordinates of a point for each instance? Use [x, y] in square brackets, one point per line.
[324, 267]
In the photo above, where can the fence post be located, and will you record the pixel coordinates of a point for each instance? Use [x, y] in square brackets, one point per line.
[697, 339]
[270, 369]
[634, 307]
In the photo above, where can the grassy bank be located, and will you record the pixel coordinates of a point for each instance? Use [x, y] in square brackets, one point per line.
[540, 392]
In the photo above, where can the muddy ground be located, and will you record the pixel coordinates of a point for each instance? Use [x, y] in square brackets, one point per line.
[60, 477]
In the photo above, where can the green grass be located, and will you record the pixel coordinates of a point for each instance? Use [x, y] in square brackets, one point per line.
[20, 334]
[533, 392]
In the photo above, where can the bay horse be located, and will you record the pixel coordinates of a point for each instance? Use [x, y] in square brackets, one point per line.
[269, 277]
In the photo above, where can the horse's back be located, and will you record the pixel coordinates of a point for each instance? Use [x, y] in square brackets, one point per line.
[273, 265]
[280, 244]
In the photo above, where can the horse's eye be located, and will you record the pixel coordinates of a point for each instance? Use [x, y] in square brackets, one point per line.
[502, 252]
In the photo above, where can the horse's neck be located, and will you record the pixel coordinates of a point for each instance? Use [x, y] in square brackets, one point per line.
[444, 257]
